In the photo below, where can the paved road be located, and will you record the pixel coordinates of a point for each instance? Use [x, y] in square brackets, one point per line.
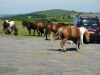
[36, 56]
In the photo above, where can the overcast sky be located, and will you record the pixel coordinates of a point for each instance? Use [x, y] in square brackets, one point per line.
[27, 6]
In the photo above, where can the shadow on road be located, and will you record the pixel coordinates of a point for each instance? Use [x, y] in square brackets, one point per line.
[68, 49]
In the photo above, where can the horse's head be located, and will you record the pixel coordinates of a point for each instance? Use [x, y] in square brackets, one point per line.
[15, 30]
[5, 25]
[87, 35]
[24, 23]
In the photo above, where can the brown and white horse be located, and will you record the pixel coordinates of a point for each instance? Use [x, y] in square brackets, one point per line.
[83, 33]
[7, 24]
[69, 33]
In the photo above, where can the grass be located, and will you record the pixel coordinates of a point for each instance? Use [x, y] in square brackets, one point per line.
[22, 32]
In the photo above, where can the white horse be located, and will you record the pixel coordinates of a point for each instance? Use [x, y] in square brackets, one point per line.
[10, 24]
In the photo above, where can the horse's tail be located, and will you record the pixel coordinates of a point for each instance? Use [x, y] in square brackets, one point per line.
[16, 30]
[57, 35]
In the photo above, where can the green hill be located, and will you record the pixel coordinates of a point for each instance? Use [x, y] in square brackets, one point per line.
[54, 13]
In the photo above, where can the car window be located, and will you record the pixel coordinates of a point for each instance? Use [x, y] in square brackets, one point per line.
[90, 22]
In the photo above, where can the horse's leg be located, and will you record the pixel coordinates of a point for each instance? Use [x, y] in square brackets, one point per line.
[44, 31]
[78, 45]
[16, 30]
[5, 31]
[12, 31]
[47, 33]
[41, 31]
[81, 37]
[38, 32]
[61, 44]
[34, 33]
[64, 44]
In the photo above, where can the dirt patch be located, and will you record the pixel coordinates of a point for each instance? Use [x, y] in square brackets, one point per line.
[73, 53]
[43, 53]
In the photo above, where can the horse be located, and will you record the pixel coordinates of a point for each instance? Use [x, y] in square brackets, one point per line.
[69, 33]
[83, 33]
[30, 26]
[52, 27]
[40, 25]
[7, 24]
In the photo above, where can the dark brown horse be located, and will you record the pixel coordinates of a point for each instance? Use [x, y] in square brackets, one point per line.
[30, 26]
[7, 24]
[68, 33]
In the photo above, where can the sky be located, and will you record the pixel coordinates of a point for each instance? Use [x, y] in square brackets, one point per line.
[27, 6]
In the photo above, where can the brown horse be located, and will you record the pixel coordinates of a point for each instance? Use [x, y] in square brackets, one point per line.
[43, 27]
[53, 27]
[40, 25]
[7, 24]
[69, 33]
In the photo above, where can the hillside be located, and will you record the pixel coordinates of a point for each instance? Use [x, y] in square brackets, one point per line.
[54, 13]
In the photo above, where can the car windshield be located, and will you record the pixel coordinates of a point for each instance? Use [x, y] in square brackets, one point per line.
[90, 22]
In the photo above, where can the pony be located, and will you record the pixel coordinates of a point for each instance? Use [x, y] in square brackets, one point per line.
[30, 26]
[68, 33]
[52, 27]
[7, 24]
[40, 25]
[43, 27]
[83, 33]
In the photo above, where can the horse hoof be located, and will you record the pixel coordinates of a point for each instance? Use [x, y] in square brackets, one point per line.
[64, 51]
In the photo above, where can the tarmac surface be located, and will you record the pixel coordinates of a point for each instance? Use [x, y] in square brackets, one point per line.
[36, 56]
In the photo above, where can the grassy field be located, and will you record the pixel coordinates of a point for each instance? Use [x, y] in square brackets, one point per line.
[22, 32]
